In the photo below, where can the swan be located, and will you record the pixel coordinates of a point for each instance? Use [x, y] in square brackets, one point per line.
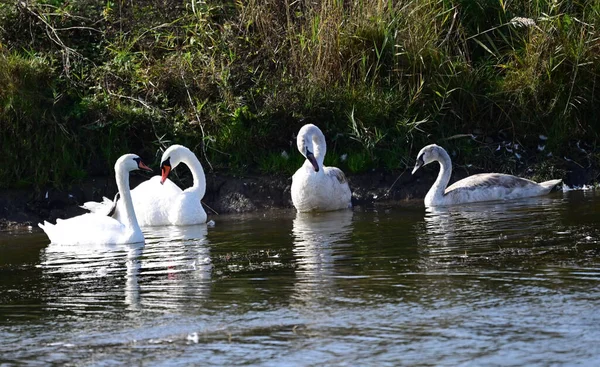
[98, 229]
[480, 187]
[315, 187]
[160, 202]
[185, 208]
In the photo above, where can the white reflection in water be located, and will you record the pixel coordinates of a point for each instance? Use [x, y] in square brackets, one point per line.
[173, 263]
[87, 261]
[132, 286]
[84, 276]
[467, 227]
[178, 265]
[184, 249]
[318, 238]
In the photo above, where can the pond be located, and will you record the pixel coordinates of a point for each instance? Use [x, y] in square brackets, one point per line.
[501, 283]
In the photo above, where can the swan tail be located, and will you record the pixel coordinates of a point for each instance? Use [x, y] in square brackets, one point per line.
[549, 185]
[47, 225]
[48, 228]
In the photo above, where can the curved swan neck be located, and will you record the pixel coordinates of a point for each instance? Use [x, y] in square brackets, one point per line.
[320, 147]
[199, 178]
[122, 178]
[439, 187]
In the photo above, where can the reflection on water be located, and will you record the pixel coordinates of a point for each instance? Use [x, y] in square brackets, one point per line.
[483, 225]
[174, 263]
[177, 265]
[496, 227]
[132, 286]
[500, 283]
[317, 237]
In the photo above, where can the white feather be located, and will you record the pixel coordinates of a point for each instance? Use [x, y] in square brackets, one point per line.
[322, 190]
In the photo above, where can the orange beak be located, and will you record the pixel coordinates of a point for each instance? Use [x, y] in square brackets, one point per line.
[143, 166]
[165, 173]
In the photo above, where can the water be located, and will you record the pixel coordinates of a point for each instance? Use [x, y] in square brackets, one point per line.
[511, 284]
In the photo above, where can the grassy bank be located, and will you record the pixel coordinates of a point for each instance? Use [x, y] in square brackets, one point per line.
[82, 82]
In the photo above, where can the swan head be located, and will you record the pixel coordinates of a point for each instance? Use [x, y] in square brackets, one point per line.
[428, 154]
[171, 158]
[306, 145]
[131, 162]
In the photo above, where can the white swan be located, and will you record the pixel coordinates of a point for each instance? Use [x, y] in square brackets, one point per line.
[315, 187]
[158, 201]
[480, 187]
[98, 229]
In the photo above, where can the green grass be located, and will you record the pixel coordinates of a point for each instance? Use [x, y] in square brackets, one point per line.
[82, 84]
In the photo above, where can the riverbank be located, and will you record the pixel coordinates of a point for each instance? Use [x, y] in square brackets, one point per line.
[20, 208]
[81, 84]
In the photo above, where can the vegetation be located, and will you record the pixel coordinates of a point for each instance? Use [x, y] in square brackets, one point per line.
[84, 81]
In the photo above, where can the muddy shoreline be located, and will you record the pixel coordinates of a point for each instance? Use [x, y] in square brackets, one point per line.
[229, 194]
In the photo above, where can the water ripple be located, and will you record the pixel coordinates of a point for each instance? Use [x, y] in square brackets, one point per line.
[501, 283]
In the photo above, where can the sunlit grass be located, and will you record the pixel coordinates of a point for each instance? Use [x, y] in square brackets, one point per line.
[237, 79]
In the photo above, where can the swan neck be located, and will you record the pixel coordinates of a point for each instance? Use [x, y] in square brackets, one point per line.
[439, 187]
[130, 220]
[199, 179]
[320, 148]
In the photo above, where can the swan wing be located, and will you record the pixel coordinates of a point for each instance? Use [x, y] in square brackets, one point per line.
[340, 190]
[492, 186]
[486, 181]
[336, 173]
[103, 207]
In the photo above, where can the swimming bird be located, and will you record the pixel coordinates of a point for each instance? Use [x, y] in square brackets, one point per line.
[185, 207]
[480, 187]
[160, 202]
[314, 186]
[98, 229]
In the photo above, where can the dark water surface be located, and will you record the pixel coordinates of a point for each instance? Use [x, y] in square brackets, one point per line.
[513, 283]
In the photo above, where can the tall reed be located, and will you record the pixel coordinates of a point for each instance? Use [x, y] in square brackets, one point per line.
[236, 79]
